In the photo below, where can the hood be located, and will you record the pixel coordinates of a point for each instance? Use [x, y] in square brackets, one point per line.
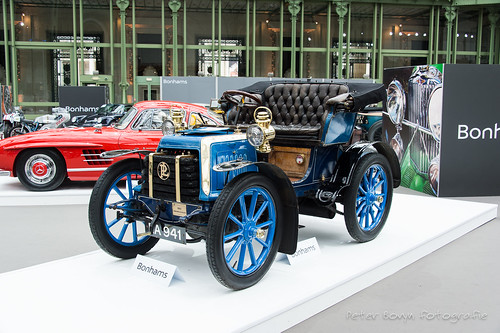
[191, 139]
[59, 137]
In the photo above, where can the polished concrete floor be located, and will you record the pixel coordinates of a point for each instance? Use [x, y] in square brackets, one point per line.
[454, 289]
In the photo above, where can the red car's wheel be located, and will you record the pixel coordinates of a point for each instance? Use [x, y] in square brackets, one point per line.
[40, 170]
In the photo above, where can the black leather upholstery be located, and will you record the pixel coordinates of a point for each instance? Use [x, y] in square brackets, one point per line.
[299, 109]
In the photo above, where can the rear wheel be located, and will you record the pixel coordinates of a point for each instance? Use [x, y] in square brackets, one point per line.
[244, 231]
[368, 199]
[111, 209]
[375, 131]
[6, 129]
[40, 170]
[18, 130]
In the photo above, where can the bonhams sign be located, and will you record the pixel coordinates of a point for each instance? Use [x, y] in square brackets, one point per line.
[82, 100]
[443, 122]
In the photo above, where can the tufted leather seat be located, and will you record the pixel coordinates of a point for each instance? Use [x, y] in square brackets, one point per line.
[299, 109]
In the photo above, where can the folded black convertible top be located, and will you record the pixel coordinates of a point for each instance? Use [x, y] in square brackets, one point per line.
[363, 93]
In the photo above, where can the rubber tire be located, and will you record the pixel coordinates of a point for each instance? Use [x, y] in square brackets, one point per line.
[351, 195]
[217, 222]
[96, 216]
[7, 127]
[18, 130]
[375, 132]
[51, 155]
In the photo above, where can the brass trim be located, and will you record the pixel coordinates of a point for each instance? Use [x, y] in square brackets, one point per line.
[178, 175]
[150, 171]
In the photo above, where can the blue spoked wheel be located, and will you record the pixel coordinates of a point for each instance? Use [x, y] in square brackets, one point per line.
[112, 208]
[243, 231]
[368, 198]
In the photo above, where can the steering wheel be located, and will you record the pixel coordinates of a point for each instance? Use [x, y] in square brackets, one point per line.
[253, 99]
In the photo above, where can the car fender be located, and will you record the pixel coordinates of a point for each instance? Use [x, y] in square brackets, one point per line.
[344, 169]
[54, 149]
[290, 227]
[288, 199]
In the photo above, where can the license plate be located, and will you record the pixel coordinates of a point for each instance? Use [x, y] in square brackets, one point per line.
[168, 232]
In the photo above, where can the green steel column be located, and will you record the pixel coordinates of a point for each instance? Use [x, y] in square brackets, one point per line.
[282, 24]
[450, 14]
[436, 37]
[348, 44]
[301, 47]
[380, 58]
[134, 56]
[123, 5]
[82, 55]
[328, 37]
[213, 37]
[219, 33]
[6, 40]
[293, 8]
[247, 41]
[431, 35]
[184, 44]
[493, 17]
[479, 40]
[111, 53]
[74, 59]
[254, 18]
[373, 67]
[13, 51]
[341, 9]
[455, 40]
[174, 5]
[163, 49]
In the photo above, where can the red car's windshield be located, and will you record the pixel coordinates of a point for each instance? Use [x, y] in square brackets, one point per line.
[126, 119]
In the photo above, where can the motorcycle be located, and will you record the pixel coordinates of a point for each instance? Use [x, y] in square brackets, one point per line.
[10, 120]
[16, 124]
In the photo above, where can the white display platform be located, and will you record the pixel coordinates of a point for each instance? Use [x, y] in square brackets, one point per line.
[13, 193]
[95, 292]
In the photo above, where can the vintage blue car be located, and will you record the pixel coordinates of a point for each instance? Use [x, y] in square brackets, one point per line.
[286, 149]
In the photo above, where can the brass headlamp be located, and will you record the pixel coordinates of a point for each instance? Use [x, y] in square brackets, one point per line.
[178, 115]
[176, 121]
[262, 132]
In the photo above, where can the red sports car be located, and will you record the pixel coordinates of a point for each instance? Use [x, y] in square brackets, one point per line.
[42, 160]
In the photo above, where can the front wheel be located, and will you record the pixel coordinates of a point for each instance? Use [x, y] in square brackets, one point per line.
[40, 169]
[368, 199]
[111, 212]
[244, 231]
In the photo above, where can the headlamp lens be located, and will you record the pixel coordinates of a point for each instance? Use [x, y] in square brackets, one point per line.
[255, 135]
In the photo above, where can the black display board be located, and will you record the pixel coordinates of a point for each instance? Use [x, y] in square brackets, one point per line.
[82, 100]
[443, 121]
[470, 162]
